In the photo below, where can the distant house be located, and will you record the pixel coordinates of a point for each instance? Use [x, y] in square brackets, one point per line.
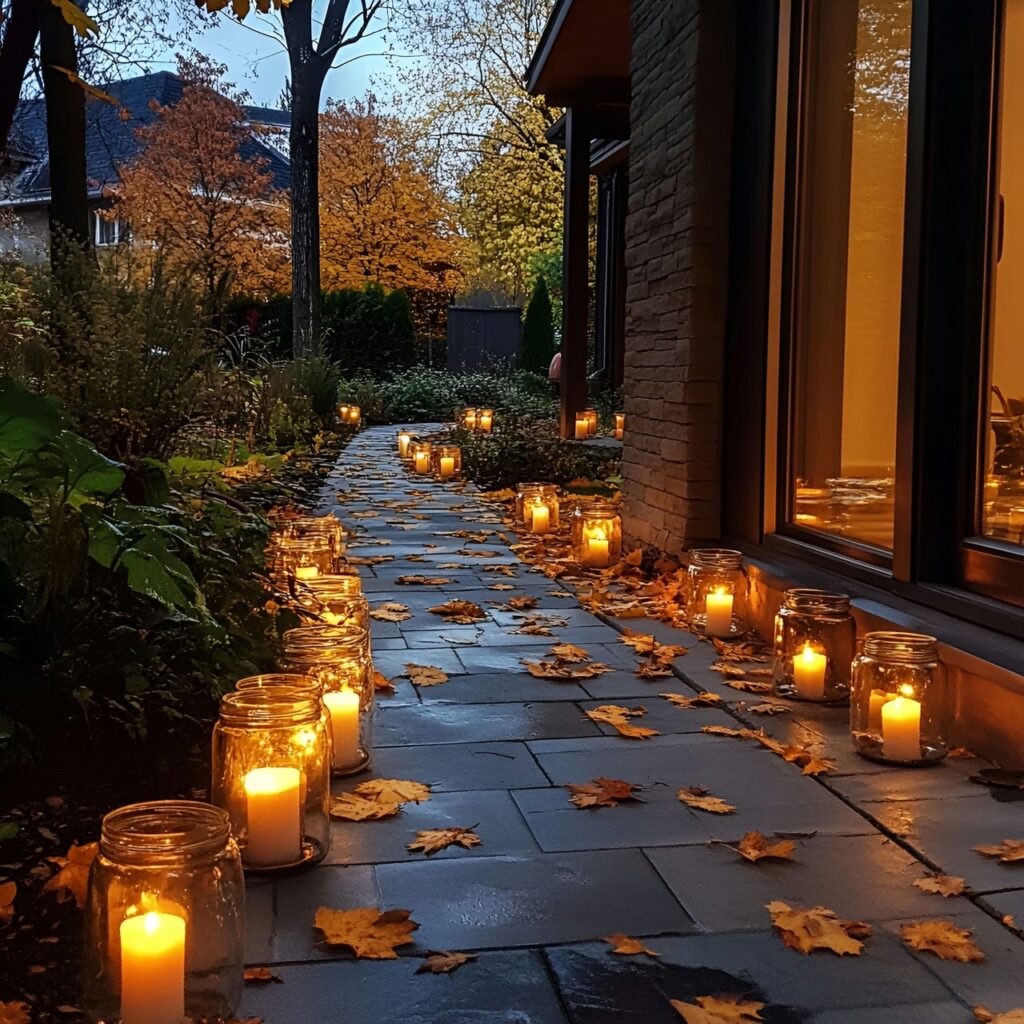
[110, 142]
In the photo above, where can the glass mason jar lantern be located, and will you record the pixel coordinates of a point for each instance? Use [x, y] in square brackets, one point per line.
[596, 537]
[592, 423]
[467, 418]
[540, 510]
[717, 601]
[300, 558]
[164, 916]
[484, 420]
[339, 658]
[581, 429]
[447, 460]
[335, 600]
[404, 440]
[272, 774]
[897, 699]
[620, 425]
[815, 636]
[421, 456]
[327, 526]
[354, 415]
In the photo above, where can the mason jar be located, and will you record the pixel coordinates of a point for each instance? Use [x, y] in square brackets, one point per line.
[421, 456]
[404, 439]
[327, 526]
[336, 600]
[271, 773]
[447, 461]
[898, 699]
[164, 916]
[533, 496]
[596, 536]
[717, 592]
[815, 639]
[299, 559]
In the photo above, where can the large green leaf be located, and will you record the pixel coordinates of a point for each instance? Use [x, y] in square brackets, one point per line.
[148, 575]
[89, 472]
[27, 421]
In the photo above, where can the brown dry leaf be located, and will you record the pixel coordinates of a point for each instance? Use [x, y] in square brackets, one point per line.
[502, 586]
[370, 559]
[425, 675]
[433, 839]
[15, 1012]
[810, 764]
[768, 709]
[817, 928]
[261, 976]
[634, 558]
[754, 846]
[520, 604]
[558, 669]
[463, 612]
[444, 962]
[653, 669]
[942, 885]
[1008, 851]
[73, 876]
[624, 945]
[391, 611]
[699, 700]
[352, 807]
[429, 581]
[642, 643]
[394, 791]
[370, 933]
[8, 890]
[987, 1016]
[381, 681]
[700, 799]
[569, 652]
[944, 939]
[602, 792]
[619, 719]
[721, 1009]
[749, 686]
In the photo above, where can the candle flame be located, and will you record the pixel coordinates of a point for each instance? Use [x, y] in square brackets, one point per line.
[808, 653]
[907, 690]
[151, 922]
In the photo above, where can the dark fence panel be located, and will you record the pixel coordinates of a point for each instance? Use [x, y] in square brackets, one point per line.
[480, 338]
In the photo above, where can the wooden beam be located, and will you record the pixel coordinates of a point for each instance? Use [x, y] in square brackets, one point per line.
[575, 239]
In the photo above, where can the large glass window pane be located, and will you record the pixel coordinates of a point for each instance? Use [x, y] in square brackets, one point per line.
[848, 267]
[1002, 499]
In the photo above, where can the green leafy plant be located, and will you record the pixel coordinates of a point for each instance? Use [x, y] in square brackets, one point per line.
[538, 331]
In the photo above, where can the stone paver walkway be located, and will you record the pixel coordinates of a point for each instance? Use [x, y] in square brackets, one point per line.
[549, 880]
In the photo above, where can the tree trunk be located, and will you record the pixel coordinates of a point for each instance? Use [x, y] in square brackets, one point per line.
[303, 149]
[65, 133]
[16, 52]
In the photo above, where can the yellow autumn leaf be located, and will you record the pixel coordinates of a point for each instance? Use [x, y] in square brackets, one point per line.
[370, 933]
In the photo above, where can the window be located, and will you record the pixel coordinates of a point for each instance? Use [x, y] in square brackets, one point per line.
[107, 231]
[849, 185]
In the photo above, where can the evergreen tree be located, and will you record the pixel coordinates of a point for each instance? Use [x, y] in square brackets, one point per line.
[538, 330]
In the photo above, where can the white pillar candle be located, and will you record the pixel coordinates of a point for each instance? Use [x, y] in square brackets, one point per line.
[540, 520]
[274, 816]
[153, 969]
[485, 424]
[423, 462]
[470, 420]
[582, 428]
[344, 708]
[306, 572]
[446, 466]
[595, 548]
[901, 729]
[403, 444]
[809, 673]
[718, 612]
[876, 701]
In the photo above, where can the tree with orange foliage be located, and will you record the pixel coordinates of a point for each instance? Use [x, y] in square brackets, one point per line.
[382, 217]
[211, 211]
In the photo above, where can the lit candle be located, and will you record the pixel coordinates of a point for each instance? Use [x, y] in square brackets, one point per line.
[901, 729]
[582, 428]
[470, 420]
[274, 816]
[540, 520]
[809, 673]
[423, 462]
[620, 425]
[485, 423]
[344, 708]
[306, 572]
[876, 701]
[718, 612]
[153, 969]
[595, 547]
[343, 412]
[353, 414]
[403, 444]
[446, 466]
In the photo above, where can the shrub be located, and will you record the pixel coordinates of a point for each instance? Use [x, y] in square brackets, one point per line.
[538, 331]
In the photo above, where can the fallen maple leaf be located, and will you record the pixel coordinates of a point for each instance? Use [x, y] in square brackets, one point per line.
[462, 612]
[391, 611]
[942, 938]
[626, 946]
[1006, 1017]
[700, 799]
[444, 962]
[699, 700]
[394, 791]
[601, 792]
[381, 681]
[425, 675]
[352, 807]
[73, 876]
[502, 586]
[428, 581]
[721, 1009]
[558, 669]
[14, 1013]
[754, 846]
[768, 708]
[653, 670]
[520, 603]
[370, 933]
[619, 719]
[8, 890]
[432, 840]
[817, 928]
[749, 686]
[261, 975]
[942, 885]
[810, 764]
[569, 652]
[1009, 850]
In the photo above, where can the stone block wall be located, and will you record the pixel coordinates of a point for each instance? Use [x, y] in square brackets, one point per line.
[676, 269]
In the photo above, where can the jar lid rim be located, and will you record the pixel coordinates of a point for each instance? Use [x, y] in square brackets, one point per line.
[168, 827]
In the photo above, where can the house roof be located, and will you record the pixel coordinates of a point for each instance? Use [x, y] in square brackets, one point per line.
[111, 142]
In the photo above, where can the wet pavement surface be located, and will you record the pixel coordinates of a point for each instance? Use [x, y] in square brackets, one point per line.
[549, 881]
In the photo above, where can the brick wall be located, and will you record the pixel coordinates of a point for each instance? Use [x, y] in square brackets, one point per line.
[676, 269]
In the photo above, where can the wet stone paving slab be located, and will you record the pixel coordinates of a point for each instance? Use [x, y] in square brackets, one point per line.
[535, 899]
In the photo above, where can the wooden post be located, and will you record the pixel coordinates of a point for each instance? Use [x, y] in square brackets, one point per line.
[575, 241]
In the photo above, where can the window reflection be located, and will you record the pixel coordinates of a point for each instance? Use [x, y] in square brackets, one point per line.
[1002, 496]
[848, 267]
